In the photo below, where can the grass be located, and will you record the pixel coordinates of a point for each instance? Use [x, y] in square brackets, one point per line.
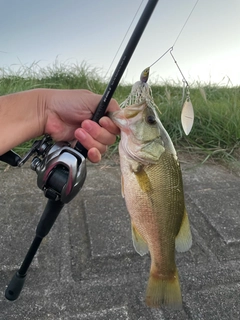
[216, 130]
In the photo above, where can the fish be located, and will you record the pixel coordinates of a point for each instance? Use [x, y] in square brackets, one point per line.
[152, 187]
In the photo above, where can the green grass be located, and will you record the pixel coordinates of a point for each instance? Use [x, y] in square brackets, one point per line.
[216, 130]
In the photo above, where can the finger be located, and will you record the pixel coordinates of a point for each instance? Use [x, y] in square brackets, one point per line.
[99, 133]
[94, 155]
[88, 141]
[92, 100]
[113, 106]
[109, 125]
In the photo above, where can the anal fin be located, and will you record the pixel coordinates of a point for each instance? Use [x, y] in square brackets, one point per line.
[122, 186]
[183, 241]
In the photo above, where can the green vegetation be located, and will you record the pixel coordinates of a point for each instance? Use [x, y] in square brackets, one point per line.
[216, 130]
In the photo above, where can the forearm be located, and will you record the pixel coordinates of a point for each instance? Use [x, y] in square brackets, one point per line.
[21, 118]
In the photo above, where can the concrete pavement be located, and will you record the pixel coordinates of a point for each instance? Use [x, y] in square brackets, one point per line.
[86, 267]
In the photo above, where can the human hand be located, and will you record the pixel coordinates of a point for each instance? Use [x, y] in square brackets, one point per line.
[68, 114]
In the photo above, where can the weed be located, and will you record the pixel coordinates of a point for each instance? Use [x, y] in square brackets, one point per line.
[216, 130]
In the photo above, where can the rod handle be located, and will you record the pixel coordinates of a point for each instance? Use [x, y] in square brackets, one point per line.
[50, 214]
[15, 287]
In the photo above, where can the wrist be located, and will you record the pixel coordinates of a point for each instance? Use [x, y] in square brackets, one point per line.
[22, 117]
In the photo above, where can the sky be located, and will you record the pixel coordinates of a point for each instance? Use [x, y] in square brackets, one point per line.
[70, 32]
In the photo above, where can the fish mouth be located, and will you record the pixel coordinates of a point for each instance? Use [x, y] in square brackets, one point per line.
[117, 118]
[123, 116]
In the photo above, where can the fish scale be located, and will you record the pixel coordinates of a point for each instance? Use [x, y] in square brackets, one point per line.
[153, 191]
[160, 180]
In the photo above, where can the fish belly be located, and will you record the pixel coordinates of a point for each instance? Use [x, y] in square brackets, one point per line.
[155, 201]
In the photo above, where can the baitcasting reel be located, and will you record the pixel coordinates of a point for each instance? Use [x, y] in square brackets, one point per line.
[61, 170]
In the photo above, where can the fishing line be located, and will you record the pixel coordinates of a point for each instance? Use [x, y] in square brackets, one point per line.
[124, 38]
[187, 115]
[171, 48]
[185, 23]
[141, 91]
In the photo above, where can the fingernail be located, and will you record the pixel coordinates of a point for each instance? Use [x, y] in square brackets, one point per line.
[80, 134]
[103, 122]
[86, 125]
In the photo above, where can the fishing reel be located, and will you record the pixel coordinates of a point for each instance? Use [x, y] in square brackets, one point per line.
[61, 170]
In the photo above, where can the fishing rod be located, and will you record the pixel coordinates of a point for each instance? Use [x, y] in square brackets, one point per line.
[122, 64]
[61, 170]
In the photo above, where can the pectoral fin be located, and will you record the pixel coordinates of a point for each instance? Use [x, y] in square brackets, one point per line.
[143, 180]
[139, 244]
[183, 240]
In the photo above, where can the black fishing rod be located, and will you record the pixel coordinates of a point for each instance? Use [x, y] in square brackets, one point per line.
[122, 64]
[61, 170]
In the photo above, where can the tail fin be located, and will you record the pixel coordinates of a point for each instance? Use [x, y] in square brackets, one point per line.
[164, 292]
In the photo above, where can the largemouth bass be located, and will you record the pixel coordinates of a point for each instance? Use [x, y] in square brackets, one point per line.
[153, 191]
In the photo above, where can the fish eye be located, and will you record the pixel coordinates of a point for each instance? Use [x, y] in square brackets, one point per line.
[151, 119]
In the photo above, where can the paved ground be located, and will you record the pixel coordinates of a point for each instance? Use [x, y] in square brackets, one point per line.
[86, 267]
